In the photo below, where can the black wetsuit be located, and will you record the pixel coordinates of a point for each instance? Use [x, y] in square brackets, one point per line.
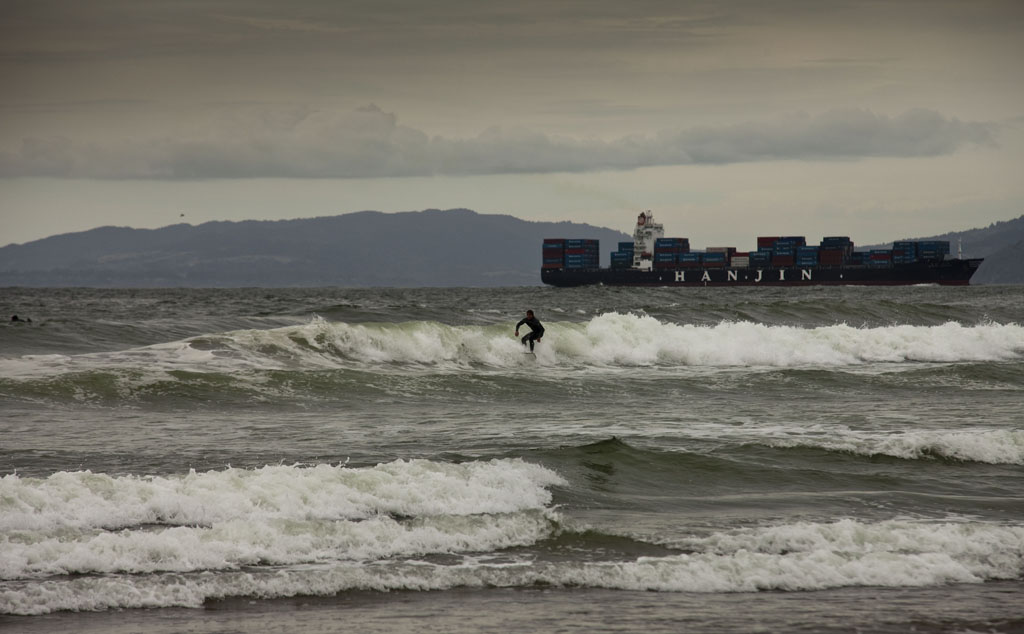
[536, 330]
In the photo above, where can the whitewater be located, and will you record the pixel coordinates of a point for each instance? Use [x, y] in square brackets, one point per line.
[833, 459]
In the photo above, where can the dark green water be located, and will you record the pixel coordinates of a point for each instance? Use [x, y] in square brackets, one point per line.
[355, 454]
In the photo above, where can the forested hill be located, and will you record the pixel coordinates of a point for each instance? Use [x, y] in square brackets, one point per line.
[457, 247]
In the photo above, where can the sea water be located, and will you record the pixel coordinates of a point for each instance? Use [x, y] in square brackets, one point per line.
[801, 459]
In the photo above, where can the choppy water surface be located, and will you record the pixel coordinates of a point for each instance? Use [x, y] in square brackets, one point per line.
[814, 454]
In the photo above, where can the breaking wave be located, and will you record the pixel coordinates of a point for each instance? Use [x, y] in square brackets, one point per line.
[608, 340]
[790, 557]
[991, 446]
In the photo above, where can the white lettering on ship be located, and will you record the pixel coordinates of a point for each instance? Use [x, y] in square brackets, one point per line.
[733, 276]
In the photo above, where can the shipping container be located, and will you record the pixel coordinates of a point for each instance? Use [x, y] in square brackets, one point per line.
[831, 256]
[579, 243]
[689, 260]
[788, 243]
[758, 258]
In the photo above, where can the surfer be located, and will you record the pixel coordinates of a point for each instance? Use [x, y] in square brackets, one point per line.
[15, 319]
[536, 329]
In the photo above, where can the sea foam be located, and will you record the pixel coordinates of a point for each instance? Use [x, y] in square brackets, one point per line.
[408, 488]
[611, 339]
[81, 523]
[992, 446]
[792, 557]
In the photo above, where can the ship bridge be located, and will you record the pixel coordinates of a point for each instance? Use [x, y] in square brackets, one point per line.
[644, 236]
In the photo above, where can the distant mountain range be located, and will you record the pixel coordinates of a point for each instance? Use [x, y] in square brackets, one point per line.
[457, 247]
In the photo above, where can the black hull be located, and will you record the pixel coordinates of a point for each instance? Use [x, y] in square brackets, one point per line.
[947, 273]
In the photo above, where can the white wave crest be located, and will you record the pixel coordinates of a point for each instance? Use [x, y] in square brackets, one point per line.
[237, 543]
[618, 338]
[635, 340]
[795, 557]
[993, 446]
[85, 500]
[610, 339]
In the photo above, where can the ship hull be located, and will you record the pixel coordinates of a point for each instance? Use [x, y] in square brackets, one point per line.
[946, 273]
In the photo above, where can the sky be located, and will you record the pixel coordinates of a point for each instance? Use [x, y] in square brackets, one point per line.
[879, 120]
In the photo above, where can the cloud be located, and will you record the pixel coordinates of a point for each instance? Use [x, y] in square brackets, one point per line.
[369, 143]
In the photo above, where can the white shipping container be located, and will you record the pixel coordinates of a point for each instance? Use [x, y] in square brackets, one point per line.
[740, 262]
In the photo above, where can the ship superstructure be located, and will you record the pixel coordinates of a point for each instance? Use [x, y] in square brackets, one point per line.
[645, 236]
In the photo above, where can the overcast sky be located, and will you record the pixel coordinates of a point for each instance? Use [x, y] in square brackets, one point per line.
[874, 119]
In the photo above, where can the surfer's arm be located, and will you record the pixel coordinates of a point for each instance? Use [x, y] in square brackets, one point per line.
[521, 322]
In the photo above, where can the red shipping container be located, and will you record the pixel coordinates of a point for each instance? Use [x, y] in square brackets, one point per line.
[783, 260]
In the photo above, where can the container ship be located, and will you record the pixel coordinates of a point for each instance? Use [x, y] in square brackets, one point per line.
[652, 259]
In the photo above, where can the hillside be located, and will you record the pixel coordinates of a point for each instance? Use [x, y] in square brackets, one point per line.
[1000, 243]
[457, 247]
[1002, 246]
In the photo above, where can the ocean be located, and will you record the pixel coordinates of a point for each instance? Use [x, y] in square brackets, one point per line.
[824, 459]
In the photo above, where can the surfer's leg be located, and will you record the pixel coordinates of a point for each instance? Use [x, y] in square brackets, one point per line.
[527, 338]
